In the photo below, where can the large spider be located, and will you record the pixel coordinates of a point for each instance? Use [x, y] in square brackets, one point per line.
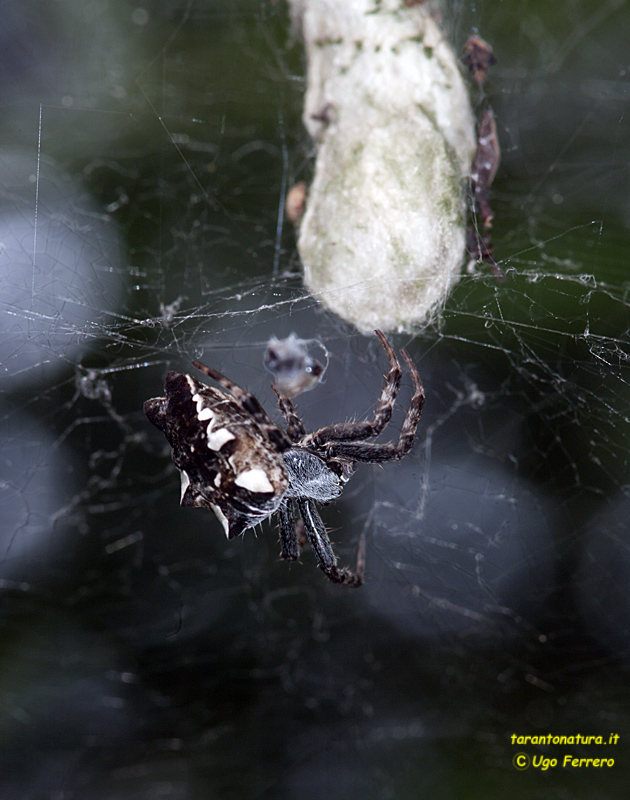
[234, 460]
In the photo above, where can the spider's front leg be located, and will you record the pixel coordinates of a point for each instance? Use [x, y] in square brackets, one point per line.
[295, 426]
[375, 453]
[352, 431]
[320, 543]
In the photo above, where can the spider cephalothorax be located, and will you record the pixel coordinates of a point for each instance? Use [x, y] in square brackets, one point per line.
[234, 460]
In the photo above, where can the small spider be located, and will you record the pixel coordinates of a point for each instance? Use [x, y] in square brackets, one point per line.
[294, 370]
[234, 460]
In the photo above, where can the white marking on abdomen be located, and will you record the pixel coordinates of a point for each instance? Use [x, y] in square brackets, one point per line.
[185, 483]
[217, 439]
[254, 480]
[222, 519]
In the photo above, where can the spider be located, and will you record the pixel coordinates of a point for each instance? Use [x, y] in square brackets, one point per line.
[234, 460]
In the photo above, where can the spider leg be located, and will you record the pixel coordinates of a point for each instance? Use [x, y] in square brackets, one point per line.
[289, 545]
[322, 548]
[295, 427]
[300, 531]
[349, 431]
[366, 451]
[219, 378]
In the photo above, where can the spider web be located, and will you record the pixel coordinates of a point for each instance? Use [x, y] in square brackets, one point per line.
[146, 155]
